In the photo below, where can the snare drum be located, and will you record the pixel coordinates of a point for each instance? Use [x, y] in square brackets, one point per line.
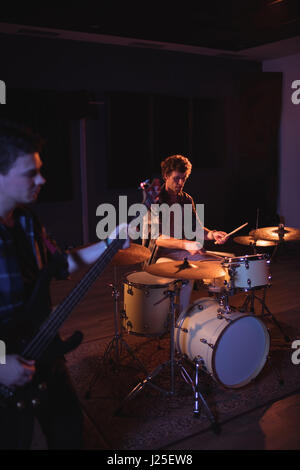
[233, 347]
[248, 272]
[146, 305]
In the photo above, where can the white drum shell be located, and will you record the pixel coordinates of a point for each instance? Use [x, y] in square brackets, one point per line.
[142, 291]
[250, 271]
[234, 352]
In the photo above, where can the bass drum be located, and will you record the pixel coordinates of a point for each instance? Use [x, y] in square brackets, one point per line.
[233, 347]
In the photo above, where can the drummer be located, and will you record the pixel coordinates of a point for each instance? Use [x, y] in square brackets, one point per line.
[175, 171]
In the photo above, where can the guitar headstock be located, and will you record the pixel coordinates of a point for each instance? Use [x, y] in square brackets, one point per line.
[151, 191]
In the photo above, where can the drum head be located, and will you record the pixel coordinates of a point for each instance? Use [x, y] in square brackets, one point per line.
[147, 279]
[241, 351]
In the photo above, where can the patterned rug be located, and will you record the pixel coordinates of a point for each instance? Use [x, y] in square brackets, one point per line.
[152, 419]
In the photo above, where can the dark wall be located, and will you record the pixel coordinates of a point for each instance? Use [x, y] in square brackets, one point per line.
[43, 64]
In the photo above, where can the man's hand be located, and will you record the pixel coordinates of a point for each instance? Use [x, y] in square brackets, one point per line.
[17, 371]
[193, 248]
[217, 236]
[220, 237]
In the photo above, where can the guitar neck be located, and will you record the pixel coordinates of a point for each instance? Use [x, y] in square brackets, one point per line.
[48, 330]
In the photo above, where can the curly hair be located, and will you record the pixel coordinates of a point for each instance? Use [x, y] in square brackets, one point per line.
[16, 140]
[176, 163]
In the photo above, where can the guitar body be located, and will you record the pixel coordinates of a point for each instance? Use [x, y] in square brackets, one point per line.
[34, 392]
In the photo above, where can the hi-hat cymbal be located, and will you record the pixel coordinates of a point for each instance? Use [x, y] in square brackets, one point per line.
[187, 270]
[132, 255]
[247, 240]
[274, 233]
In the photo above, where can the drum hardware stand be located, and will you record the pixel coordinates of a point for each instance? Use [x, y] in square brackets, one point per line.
[250, 298]
[199, 363]
[115, 344]
[172, 363]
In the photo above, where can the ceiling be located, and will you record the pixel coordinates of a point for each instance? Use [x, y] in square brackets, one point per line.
[234, 27]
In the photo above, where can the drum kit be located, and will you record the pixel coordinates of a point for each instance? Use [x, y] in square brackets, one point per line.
[230, 344]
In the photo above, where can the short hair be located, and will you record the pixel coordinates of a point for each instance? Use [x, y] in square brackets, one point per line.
[176, 163]
[16, 140]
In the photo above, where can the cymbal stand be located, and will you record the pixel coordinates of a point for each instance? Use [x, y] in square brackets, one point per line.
[172, 363]
[250, 299]
[116, 342]
[199, 363]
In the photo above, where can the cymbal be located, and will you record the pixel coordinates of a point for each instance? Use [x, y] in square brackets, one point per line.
[134, 254]
[272, 233]
[247, 240]
[220, 254]
[187, 270]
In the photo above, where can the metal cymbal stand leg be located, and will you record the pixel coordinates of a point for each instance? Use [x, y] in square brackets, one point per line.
[263, 314]
[198, 361]
[248, 301]
[116, 342]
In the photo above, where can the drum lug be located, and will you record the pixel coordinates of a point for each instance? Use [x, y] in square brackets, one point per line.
[129, 325]
[204, 341]
[130, 291]
[185, 330]
[249, 281]
[220, 316]
[123, 314]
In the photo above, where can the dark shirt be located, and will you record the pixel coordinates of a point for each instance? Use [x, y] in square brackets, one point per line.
[21, 251]
[176, 227]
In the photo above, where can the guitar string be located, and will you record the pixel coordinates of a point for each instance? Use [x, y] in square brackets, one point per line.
[44, 331]
[70, 299]
[50, 326]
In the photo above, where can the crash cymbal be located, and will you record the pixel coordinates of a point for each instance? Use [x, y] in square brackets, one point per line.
[187, 270]
[247, 240]
[132, 255]
[274, 233]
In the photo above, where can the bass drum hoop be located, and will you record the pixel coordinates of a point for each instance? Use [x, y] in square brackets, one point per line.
[264, 357]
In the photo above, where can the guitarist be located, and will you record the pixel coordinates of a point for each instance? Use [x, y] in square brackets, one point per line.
[24, 250]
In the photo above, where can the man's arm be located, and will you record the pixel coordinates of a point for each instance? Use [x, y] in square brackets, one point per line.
[89, 254]
[192, 246]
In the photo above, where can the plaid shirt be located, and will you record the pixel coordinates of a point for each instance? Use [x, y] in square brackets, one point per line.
[11, 281]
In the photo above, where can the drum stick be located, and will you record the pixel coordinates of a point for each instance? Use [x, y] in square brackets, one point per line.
[234, 231]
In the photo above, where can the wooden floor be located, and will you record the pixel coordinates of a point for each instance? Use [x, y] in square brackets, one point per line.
[271, 427]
